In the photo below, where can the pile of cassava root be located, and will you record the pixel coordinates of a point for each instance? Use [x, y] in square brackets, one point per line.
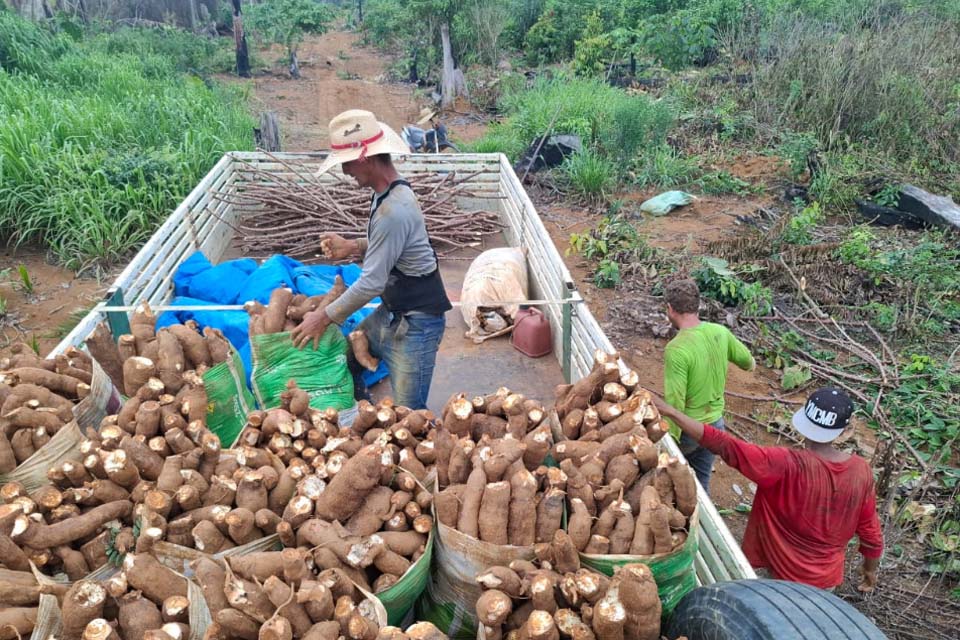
[285, 310]
[490, 455]
[37, 397]
[623, 497]
[144, 601]
[360, 500]
[555, 597]
[146, 354]
[279, 596]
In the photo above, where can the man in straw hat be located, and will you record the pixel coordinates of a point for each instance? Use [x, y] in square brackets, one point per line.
[810, 502]
[399, 264]
[435, 138]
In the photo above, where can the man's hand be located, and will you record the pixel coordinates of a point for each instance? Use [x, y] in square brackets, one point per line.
[313, 325]
[336, 247]
[689, 426]
[665, 409]
[868, 575]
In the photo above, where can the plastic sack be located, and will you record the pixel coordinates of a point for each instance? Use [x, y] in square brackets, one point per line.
[674, 572]
[49, 621]
[321, 372]
[400, 598]
[666, 202]
[63, 446]
[496, 275]
[451, 596]
[228, 399]
[102, 401]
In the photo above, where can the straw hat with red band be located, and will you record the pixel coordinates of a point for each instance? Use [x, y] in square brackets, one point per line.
[357, 134]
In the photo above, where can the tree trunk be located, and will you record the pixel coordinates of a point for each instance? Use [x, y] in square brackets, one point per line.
[359, 11]
[414, 74]
[267, 137]
[448, 89]
[294, 64]
[194, 20]
[243, 58]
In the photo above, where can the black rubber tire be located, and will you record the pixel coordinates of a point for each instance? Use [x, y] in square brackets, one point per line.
[767, 610]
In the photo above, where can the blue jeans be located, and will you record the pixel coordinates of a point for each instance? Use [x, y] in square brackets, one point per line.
[409, 346]
[699, 458]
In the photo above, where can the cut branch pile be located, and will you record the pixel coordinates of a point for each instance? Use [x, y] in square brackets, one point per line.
[280, 214]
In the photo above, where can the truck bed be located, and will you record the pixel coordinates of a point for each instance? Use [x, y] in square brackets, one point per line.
[205, 223]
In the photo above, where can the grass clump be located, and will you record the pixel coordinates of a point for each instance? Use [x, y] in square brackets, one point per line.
[590, 174]
[604, 117]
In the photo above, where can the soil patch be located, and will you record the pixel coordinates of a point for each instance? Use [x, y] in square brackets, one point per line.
[44, 316]
[338, 73]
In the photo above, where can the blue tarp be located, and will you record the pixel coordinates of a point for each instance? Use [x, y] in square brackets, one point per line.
[198, 282]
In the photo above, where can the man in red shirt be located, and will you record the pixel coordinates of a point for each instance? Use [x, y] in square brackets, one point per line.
[810, 502]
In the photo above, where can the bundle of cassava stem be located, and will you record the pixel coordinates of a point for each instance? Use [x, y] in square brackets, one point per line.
[281, 595]
[147, 354]
[416, 631]
[606, 402]
[144, 601]
[37, 397]
[285, 310]
[498, 489]
[554, 597]
[19, 600]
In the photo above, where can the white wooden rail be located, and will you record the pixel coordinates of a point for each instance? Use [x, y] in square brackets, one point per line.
[202, 222]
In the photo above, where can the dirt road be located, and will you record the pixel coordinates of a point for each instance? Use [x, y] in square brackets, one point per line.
[337, 74]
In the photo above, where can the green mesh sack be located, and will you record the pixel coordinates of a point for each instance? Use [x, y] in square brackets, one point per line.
[321, 372]
[399, 599]
[228, 399]
[674, 571]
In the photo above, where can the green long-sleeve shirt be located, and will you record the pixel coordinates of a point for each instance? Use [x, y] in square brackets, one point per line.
[695, 370]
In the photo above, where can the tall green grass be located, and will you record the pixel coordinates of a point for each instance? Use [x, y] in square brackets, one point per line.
[100, 142]
[606, 117]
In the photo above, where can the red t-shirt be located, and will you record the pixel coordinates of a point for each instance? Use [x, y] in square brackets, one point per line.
[806, 509]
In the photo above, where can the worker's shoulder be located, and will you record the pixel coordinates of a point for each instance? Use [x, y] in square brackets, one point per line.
[400, 207]
[401, 201]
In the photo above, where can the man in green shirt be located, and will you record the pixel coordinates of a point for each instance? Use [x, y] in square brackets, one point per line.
[695, 369]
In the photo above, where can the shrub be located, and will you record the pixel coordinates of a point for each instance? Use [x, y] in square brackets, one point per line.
[631, 125]
[590, 174]
[799, 229]
[605, 117]
[680, 40]
[664, 167]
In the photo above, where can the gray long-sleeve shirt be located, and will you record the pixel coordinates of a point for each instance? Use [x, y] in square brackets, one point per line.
[396, 237]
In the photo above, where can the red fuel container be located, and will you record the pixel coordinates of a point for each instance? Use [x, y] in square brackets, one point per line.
[531, 333]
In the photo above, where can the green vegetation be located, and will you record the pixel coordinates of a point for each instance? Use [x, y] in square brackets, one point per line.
[286, 22]
[104, 135]
[26, 283]
[590, 174]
